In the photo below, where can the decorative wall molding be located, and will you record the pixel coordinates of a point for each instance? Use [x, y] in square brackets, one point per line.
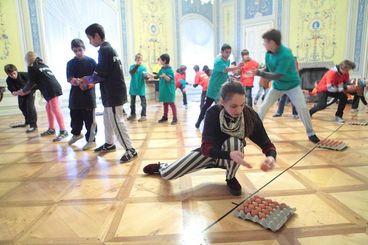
[279, 15]
[258, 8]
[196, 7]
[124, 36]
[33, 15]
[359, 35]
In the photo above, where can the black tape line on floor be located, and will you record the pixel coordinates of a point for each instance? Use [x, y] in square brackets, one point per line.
[269, 182]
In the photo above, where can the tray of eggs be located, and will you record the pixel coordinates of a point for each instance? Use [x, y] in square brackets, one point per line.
[266, 212]
[359, 123]
[336, 145]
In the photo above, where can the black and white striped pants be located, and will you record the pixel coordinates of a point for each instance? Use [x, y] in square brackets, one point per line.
[195, 161]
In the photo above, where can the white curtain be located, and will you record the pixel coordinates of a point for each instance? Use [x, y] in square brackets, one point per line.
[197, 44]
[65, 20]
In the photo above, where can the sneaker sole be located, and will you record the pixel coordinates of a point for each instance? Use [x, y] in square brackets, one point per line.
[105, 151]
[131, 159]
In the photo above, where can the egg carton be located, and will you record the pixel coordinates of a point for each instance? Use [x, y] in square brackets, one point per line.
[273, 215]
[274, 221]
[332, 144]
[359, 123]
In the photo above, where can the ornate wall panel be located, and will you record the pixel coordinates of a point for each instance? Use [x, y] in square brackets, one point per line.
[318, 30]
[153, 27]
[10, 48]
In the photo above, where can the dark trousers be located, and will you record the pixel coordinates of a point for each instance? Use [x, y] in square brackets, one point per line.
[203, 97]
[26, 105]
[185, 102]
[143, 105]
[86, 116]
[207, 104]
[322, 102]
[356, 100]
[248, 94]
[282, 102]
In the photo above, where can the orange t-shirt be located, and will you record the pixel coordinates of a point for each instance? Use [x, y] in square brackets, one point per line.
[245, 78]
[332, 78]
[178, 77]
[202, 79]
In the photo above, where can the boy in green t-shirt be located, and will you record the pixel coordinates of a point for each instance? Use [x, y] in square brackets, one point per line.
[218, 77]
[281, 69]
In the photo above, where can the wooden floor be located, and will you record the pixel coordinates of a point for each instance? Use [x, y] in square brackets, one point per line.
[54, 193]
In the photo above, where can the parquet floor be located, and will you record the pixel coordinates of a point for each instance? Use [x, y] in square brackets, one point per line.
[54, 193]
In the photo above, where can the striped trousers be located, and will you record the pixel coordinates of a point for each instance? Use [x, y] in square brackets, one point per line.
[114, 126]
[195, 161]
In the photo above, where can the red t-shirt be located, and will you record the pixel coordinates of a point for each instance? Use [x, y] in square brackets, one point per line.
[202, 79]
[247, 79]
[332, 78]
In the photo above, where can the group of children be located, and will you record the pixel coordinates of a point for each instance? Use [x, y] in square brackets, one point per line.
[83, 72]
[228, 123]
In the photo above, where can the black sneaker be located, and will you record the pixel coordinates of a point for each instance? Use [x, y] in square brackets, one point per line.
[234, 186]
[314, 138]
[162, 120]
[48, 132]
[62, 135]
[276, 115]
[174, 121]
[106, 148]
[152, 168]
[31, 130]
[129, 155]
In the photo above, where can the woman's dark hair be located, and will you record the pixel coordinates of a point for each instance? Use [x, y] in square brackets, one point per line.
[165, 58]
[228, 89]
[77, 43]
[196, 68]
[10, 68]
[273, 35]
[95, 28]
[225, 46]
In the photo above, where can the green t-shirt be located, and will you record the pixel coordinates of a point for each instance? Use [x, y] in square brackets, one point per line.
[166, 88]
[137, 82]
[283, 62]
[218, 77]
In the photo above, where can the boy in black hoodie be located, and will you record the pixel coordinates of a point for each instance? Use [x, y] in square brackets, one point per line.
[109, 74]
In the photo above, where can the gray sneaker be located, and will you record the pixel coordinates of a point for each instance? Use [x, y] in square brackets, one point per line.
[131, 118]
[339, 119]
[89, 145]
[62, 135]
[75, 138]
[142, 119]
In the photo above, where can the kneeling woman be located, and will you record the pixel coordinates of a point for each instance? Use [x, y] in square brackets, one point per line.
[223, 140]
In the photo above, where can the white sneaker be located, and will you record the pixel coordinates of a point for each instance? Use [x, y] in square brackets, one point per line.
[354, 111]
[89, 145]
[339, 119]
[74, 139]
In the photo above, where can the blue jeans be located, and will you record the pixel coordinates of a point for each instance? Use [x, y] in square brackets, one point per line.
[248, 95]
